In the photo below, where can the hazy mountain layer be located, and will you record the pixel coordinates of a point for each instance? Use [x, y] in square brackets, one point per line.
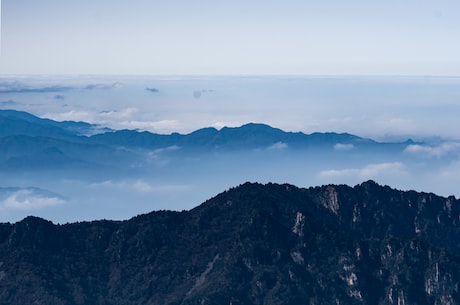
[96, 173]
[31, 143]
[253, 244]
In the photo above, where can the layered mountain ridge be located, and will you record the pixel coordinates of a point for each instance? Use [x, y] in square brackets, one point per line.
[253, 244]
[31, 143]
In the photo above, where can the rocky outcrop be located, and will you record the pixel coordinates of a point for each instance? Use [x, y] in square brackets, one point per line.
[253, 244]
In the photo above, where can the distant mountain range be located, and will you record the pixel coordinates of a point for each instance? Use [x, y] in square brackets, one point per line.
[15, 122]
[249, 136]
[253, 244]
[30, 143]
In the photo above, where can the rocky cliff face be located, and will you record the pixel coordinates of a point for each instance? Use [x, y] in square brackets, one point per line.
[253, 244]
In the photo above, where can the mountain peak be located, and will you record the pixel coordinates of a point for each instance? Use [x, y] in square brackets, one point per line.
[253, 244]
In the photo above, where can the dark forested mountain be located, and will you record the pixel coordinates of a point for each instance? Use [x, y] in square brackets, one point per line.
[253, 244]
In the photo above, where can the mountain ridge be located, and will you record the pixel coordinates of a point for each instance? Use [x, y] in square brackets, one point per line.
[252, 244]
[33, 143]
[248, 136]
[68, 128]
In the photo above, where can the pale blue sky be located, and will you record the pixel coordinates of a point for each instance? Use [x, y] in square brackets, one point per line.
[230, 37]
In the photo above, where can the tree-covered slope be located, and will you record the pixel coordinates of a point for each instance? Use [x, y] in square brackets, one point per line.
[253, 244]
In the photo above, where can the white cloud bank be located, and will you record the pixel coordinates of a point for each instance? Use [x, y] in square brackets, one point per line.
[139, 186]
[437, 151]
[371, 171]
[28, 200]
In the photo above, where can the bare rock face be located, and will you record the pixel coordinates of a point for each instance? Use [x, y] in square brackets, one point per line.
[253, 244]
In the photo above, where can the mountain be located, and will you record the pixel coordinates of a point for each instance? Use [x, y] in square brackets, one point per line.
[30, 143]
[248, 136]
[253, 244]
[15, 122]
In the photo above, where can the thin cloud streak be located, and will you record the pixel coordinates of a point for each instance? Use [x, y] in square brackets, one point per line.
[20, 87]
[138, 185]
[343, 147]
[371, 171]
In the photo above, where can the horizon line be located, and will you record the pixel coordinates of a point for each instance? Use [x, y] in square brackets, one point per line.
[191, 75]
